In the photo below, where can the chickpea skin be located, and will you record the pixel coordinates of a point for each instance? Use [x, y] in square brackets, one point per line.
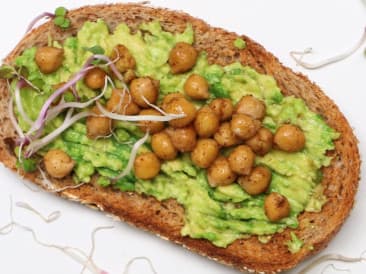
[98, 126]
[144, 87]
[183, 139]
[241, 160]
[205, 152]
[125, 59]
[146, 166]
[252, 107]
[163, 146]
[262, 142]
[121, 102]
[276, 207]
[182, 57]
[220, 173]
[257, 181]
[180, 105]
[58, 164]
[196, 87]
[206, 122]
[49, 59]
[289, 138]
[223, 108]
[151, 126]
[225, 136]
[95, 78]
[244, 126]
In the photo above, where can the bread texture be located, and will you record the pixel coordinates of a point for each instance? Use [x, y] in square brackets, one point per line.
[340, 179]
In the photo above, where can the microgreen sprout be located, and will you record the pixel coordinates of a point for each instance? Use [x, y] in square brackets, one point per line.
[299, 55]
[60, 18]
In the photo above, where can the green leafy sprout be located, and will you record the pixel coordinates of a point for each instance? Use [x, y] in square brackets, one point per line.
[60, 18]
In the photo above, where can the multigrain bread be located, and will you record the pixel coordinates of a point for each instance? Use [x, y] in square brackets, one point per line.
[340, 179]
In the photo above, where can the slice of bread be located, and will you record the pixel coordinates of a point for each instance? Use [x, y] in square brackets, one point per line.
[340, 179]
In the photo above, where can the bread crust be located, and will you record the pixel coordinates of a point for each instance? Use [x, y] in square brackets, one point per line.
[340, 179]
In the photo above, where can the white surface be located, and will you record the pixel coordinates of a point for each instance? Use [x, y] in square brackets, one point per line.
[329, 26]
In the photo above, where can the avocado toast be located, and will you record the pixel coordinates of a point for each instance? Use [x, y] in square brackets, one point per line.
[339, 179]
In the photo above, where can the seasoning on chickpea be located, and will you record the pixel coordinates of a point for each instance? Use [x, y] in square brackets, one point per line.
[257, 181]
[144, 88]
[98, 126]
[223, 108]
[220, 173]
[252, 107]
[95, 78]
[163, 147]
[206, 122]
[289, 138]
[196, 87]
[146, 166]
[244, 126]
[241, 160]
[125, 59]
[225, 136]
[262, 142]
[150, 126]
[182, 57]
[121, 102]
[49, 59]
[180, 105]
[184, 139]
[205, 152]
[58, 164]
[276, 207]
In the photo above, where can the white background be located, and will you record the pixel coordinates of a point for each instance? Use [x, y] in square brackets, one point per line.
[329, 26]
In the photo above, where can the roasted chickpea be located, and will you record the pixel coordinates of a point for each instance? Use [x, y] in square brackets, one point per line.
[144, 87]
[181, 105]
[241, 160]
[257, 181]
[163, 146]
[276, 207]
[244, 126]
[121, 102]
[183, 139]
[125, 59]
[129, 75]
[182, 57]
[261, 143]
[95, 78]
[289, 138]
[49, 59]
[206, 123]
[58, 164]
[146, 166]
[168, 98]
[223, 108]
[98, 126]
[151, 126]
[196, 87]
[205, 152]
[252, 107]
[225, 136]
[220, 173]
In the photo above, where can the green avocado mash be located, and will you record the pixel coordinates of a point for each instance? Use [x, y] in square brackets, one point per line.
[220, 215]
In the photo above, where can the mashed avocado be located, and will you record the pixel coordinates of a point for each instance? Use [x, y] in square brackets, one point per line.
[220, 215]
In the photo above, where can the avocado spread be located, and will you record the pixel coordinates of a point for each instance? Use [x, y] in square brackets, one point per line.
[222, 214]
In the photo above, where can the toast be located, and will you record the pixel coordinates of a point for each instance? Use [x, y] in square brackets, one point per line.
[340, 179]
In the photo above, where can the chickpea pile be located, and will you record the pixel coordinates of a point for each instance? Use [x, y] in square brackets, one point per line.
[208, 133]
